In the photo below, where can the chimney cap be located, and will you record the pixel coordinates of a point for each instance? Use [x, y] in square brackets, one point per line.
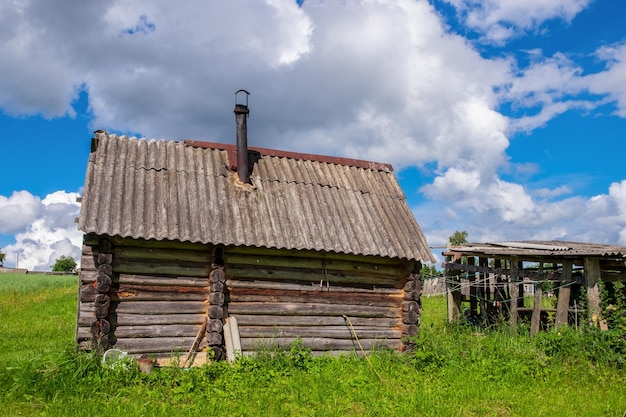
[242, 91]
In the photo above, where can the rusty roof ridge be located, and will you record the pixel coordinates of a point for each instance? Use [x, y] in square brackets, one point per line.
[327, 159]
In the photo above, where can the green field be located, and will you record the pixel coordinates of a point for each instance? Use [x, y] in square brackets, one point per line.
[456, 371]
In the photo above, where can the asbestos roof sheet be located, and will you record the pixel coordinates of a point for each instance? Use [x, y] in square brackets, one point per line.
[540, 249]
[167, 190]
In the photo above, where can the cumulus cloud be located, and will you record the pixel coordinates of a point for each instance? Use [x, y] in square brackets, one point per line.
[49, 234]
[509, 212]
[18, 211]
[383, 80]
[500, 20]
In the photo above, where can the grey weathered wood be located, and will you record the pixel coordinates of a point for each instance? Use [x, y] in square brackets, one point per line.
[145, 293]
[310, 275]
[150, 331]
[316, 263]
[290, 309]
[149, 280]
[274, 320]
[535, 321]
[156, 344]
[161, 307]
[562, 305]
[174, 254]
[309, 286]
[87, 315]
[453, 290]
[592, 278]
[333, 332]
[514, 293]
[144, 267]
[320, 344]
[312, 296]
[408, 265]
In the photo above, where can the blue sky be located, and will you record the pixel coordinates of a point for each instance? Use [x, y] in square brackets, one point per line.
[505, 119]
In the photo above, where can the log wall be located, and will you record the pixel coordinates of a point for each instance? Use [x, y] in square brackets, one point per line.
[329, 303]
[160, 295]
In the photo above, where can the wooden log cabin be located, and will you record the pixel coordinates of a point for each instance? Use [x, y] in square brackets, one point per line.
[499, 277]
[182, 238]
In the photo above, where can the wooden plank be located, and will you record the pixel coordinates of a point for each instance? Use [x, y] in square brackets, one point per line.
[535, 320]
[592, 278]
[161, 330]
[264, 261]
[308, 286]
[453, 291]
[162, 254]
[117, 319]
[273, 320]
[281, 296]
[562, 303]
[311, 275]
[333, 332]
[514, 293]
[154, 268]
[408, 265]
[160, 307]
[174, 345]
[300, 309]
[175, 281]
[142, 293]
[318, 343]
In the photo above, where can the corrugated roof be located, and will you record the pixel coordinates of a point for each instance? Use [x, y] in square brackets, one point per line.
[541, 249]
[155, 189]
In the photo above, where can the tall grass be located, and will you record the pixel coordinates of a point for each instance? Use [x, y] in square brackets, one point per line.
[455, 371]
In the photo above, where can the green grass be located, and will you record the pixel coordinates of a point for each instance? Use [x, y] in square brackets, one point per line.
[455, 371]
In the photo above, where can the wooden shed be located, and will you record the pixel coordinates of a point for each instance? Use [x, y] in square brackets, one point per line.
[178, 244]
[498, 277]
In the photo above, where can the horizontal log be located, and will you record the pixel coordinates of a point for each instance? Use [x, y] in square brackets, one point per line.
[282, 296]
[117, 319]
[162, 254]
[170, 330]
[174, 345]
[333, 332]
[393, 270]
[311, 275]
[87, 276]
[88, 293]
[155, 267]
[160, 307]
[88, 263]
[273, 320]
[175, 281]
[408, 265]
[143, 293]
[319, 344]
[309, 286]
[300, 309]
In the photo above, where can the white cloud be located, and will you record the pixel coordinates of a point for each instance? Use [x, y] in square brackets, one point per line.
[612, 81]
[501, 20]
[382, 80]
[507, 212]
[18, 211]
[50, 234]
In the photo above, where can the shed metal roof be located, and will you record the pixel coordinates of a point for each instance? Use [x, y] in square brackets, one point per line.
[156, 189]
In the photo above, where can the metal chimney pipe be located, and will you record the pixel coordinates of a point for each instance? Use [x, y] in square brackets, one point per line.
[241, 116]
